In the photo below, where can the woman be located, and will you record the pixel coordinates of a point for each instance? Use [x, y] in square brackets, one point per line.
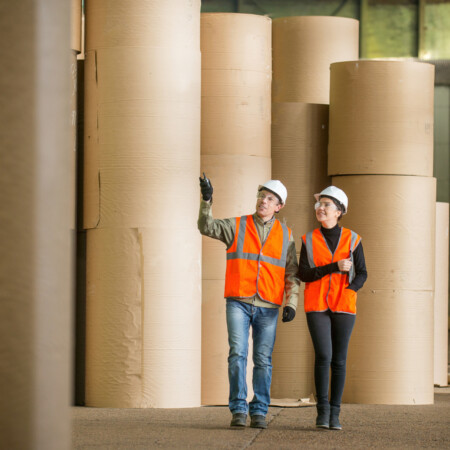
[332, 265]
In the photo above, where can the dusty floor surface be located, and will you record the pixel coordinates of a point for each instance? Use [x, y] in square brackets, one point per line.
[364, 427]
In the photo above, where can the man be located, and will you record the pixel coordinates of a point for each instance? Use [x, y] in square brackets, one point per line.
[261, 267]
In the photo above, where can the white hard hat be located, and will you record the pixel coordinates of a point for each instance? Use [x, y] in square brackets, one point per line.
[335, 193]
[277, 187]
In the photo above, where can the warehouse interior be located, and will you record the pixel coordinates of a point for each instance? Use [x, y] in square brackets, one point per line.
[112, 301]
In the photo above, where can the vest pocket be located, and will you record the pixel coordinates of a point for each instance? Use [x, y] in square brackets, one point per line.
[348, 301]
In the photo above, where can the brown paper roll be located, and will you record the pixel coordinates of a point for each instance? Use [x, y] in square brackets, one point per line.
[132, 154]
[141, 326]
[168, 24]
[231, 41]
[441, 295]
[75, 25]
[293, 358]
[236, 83]
[390, 359]
[303, 49]
[381, 118]
[299, 160]
[142, 160]
[395, 216]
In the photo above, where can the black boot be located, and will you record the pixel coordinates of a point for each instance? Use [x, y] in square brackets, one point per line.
[334, 418]
[323, 416]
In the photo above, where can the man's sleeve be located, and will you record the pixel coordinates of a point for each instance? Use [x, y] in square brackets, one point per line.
[221, 229]
[292, 282]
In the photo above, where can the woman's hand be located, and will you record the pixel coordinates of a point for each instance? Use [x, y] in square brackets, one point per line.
[344, 265]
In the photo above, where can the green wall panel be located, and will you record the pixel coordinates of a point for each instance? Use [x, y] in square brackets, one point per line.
[442, 142]
[436, 32]
[389, 30]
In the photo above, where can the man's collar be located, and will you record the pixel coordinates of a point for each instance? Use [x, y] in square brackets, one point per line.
[260, 221]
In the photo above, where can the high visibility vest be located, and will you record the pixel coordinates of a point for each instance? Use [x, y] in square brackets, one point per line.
[329, 292]
[253, 268]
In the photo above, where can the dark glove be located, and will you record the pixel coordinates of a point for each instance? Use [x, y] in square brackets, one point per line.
[206, 187]
[288, 314]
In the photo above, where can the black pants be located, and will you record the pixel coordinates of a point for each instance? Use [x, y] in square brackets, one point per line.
[330, 333]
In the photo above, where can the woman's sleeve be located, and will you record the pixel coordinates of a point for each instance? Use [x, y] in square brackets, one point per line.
[360, 268]
[306, 273]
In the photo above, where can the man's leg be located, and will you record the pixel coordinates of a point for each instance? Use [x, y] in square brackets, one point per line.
[238, 324]
[264, 324]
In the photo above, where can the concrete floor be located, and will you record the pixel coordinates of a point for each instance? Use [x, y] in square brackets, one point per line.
[364, 426]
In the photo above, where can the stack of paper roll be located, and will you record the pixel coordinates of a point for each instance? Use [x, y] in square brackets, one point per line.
[380, 153]
[75, 46]
[303, 49]
[441, 296]
[142, 159]
[235, 155]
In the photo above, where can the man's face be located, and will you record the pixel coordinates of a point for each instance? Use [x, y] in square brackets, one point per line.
[267, 204]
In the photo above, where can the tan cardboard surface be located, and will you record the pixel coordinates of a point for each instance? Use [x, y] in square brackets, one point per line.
[299, 160]
[132, 153]
[236, 84]
[232, 41]
[293, 357]
[167, 24]
[390, 359]
[395, 217]
[36, 229]
[381, 118]
[142, 328]
[441, 295]
[235, 112]
[75, 25]
[303, 49]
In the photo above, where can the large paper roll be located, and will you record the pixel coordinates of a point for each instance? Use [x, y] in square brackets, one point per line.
[390, 358]
[142, 160]
[299, 160]
[441, 295]
[236, 84]
[303, 49]
[232, 41]
[395, 216]
[142, 329]
[75, 25]
[171, 24]
[381, 118]
[132, 153]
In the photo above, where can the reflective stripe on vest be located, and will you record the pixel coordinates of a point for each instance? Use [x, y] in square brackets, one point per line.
[330, 291]
[254, 268]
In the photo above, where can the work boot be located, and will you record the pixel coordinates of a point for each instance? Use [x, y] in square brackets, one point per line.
[258, 421]
[323, 416]
[334, 418]
[238, 420]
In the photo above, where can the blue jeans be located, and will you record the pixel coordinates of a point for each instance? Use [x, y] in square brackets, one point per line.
[264, 325]
[330, 333]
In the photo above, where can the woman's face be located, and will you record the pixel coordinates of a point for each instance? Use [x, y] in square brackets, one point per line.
[327, 213]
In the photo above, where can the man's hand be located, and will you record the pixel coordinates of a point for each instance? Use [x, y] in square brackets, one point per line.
[288, 314]
[206, 187]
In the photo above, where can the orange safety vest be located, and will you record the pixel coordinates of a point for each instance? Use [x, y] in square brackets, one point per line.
[253, 268]
[329, 292]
